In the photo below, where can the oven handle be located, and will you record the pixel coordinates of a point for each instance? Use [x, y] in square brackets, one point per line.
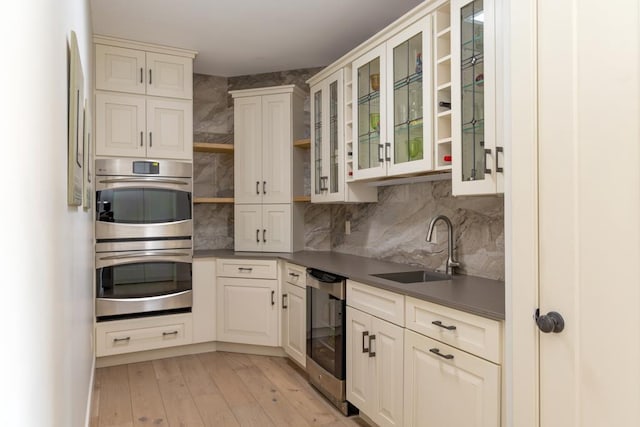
[153, 298]
[144, 254]
[143, 180]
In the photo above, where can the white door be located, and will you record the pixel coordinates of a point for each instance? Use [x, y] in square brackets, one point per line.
[120, 69]
[247, 116]
[247, 311]
[170, 129]
[247, 227]
[589, 211]
[388, 346]
[294, 309]
[276, 228]
[359, 373]
[120, 125]
[170, 76]
[277, 146]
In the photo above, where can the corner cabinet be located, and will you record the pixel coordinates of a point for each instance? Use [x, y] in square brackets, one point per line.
[392, 105]
[266, 121]
[478, 158]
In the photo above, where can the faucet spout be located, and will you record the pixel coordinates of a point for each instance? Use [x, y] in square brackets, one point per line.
[451, 262]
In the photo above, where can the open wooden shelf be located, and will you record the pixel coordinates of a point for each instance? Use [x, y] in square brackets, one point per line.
[212, 147]
[301, 198]
[213, 200]
[302, 143]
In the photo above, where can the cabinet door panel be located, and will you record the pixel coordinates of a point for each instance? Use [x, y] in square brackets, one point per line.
[248, 150]
[461, 391]
[276, 228]
[170, 76]
[276, 149]
[388, 346]
[170, 129]
[245, 311]
[120, 69]
[120, 125]
[248, 227]
[204, 305]
[359, 372]
[294, 309]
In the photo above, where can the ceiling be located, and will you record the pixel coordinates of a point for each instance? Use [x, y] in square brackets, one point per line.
[239, 37]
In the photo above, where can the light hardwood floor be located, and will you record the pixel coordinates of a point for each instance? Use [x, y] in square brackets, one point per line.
[210, 389]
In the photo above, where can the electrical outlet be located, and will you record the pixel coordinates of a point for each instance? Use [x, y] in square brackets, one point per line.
[347, 227]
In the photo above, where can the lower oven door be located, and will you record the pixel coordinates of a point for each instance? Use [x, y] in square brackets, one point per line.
[142, 282]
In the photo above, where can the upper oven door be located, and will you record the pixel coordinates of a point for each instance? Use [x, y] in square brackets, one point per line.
[143, 207]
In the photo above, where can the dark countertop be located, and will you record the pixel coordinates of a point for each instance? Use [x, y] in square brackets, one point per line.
[475, 295]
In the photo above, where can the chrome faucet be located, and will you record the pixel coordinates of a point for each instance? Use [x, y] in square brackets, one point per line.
[451, 262]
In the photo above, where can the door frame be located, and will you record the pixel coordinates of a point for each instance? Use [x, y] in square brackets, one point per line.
[521, 212]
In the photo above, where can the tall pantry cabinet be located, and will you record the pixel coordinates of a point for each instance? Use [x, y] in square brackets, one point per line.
[266, 121]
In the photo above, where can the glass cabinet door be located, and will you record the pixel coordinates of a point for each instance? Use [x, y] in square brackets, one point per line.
[317, 143]
[334, 129]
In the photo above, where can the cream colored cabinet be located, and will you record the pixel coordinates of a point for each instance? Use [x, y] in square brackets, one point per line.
[138, 126]
[294, 312]
[374, 356]
[444, 386]
[204, 299]
[266, 121]
[392, 105]
[246, 307]
[135, 71]
[478, 158]
[328, 151]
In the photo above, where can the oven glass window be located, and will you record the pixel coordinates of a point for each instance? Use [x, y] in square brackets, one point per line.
[145, 279]
[325, 331]
[142, 206]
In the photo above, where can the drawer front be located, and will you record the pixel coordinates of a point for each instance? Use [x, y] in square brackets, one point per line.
[126, 336]
[474, 334]
[295, 274]
[255, 269]
[377, 302]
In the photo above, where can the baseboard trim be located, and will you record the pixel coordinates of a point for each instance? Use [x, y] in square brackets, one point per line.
[184, 350]
[87, 417]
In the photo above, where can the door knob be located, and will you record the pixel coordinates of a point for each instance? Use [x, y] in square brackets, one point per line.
[550, 322]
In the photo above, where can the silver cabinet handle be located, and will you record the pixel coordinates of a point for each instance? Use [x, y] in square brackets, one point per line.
[257, 187]
[144, 254]
[150, 76]
[141, 136]
[142, 180]
[164, 334]
[387, 151]
[241, 269]
[273, 294]
[284, 304]
[365, 334]
[371, 353]
[141, 74]
[121, 339]
[380, 153]
[487, 152]
[264, 236]
[150, 139]
[258, 236]
[264, 187]
[498, 151]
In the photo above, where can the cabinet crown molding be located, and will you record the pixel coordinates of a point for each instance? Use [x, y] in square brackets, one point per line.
[271, 90]
[149, 47]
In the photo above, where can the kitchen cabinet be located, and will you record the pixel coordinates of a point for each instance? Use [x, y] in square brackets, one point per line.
[266, 121]
[204, 299]
[478, 160]
[328, 152]
[294, 313]
[374, 359]
[138, 126]
[392, 105]
[135, 71]
[246, 307]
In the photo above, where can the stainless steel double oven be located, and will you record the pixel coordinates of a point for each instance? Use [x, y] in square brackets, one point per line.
[144, 230]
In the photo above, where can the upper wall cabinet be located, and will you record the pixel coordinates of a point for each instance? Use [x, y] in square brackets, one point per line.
[392, 108]
[143, 105]
[135, 71]
[477, 156]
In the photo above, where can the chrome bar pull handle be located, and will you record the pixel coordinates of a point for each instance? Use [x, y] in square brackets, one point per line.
[436, 351]
[365, 334]
[371, 352]
[487, 152]
[164, 334]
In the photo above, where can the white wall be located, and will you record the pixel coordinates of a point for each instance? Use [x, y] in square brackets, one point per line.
[46, 256]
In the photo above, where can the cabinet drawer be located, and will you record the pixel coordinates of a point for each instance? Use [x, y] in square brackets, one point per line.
[377, 302]
[256, 269]
[295, 274]
[474, 334]
[126, 336]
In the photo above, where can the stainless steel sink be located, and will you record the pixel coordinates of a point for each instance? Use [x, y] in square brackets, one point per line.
[415, 276]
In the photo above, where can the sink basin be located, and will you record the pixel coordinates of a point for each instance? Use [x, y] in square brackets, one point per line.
[415, 276]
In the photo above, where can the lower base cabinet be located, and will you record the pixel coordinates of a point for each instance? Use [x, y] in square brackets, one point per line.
[374, 367]
[447, 387]
[294, 320]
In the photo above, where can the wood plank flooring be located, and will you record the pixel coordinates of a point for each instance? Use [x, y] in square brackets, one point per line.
[210, 389]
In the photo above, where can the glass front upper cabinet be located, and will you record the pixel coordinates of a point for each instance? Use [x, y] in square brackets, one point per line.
[473, 85]
[317, 142]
